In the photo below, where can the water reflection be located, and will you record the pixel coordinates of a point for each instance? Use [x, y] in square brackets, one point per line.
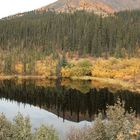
[64, 101]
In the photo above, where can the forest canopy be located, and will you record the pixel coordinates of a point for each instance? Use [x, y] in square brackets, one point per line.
[83, 32]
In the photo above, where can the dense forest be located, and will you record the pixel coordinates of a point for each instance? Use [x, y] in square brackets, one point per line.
[80, 32]
[42, 43]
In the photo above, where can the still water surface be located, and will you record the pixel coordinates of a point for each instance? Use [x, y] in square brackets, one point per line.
[62, 107]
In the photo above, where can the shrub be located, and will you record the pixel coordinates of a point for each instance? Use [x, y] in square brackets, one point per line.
[84, 63]
[77, 71]
[82, 68]
[5, 128]
[117, 126]
[20, 129]
[45, 133]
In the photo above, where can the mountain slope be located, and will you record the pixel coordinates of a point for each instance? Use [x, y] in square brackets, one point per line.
[107, 6]
[103, 7]
[120, 5]
[89, 5]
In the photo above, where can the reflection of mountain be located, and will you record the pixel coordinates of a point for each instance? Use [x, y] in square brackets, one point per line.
[67, 103]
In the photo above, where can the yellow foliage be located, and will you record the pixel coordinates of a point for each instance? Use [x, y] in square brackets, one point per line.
[65, 72]
[40, 68]
[124, 69]
[19, 68]
[116, 68]
[78, 68]
[46, 67]
[77, 71]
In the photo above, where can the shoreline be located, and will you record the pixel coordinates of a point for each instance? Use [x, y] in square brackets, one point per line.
[104, 81]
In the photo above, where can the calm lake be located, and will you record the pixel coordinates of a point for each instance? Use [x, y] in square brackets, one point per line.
[62, 105]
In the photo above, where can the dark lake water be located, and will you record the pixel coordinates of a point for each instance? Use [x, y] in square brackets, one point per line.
[63, 107]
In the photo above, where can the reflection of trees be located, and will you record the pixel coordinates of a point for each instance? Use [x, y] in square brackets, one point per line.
[67, 103]
[80, 85]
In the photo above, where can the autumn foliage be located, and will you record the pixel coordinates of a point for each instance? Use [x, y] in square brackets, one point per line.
[83, 68]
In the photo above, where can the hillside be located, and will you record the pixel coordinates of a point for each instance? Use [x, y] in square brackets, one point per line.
[69, 5]
[98, 6]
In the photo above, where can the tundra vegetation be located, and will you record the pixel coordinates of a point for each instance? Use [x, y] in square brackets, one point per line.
[117, 125]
